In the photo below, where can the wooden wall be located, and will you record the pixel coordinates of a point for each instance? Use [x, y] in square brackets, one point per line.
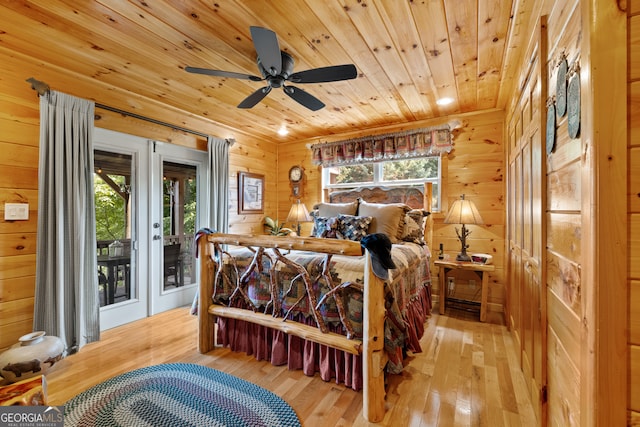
[474, 167]
[564, 288]
[586, 280]
[19, 124]
[634, 210]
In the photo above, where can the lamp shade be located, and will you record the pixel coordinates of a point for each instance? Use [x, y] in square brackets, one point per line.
[298, 213]
[463, 211]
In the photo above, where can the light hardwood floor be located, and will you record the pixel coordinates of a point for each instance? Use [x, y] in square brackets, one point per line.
[467, 374]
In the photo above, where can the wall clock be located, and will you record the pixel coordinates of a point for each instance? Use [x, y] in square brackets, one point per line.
[296, 178]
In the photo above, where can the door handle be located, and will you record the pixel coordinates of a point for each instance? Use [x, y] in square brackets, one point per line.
[157, 237]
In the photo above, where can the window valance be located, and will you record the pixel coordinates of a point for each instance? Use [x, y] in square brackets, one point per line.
[394, 146]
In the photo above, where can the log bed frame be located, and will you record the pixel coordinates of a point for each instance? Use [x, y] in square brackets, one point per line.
[370, 347]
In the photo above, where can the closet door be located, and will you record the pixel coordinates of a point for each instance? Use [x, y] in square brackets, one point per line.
[527, 315]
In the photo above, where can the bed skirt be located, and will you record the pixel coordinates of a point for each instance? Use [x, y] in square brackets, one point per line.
[282, 349]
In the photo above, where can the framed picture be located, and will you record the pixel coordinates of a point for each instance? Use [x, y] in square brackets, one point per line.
[250, 193]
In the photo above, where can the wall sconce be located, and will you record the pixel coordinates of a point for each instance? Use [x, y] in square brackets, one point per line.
[463, 212]
[297, 214]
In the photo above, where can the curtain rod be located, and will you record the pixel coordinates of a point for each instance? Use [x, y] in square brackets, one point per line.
[43, 88]
[149, 119]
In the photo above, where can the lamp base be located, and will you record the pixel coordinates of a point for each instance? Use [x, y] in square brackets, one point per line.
[463, 257]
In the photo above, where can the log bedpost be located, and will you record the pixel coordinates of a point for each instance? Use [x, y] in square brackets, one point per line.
[373, 357]
[206, 321]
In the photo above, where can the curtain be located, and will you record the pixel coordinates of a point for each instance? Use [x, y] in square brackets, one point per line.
[394, 146]
[218, 150]
[66, 299]
[219, 183]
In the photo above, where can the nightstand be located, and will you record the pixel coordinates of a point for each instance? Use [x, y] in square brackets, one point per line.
[482, 270]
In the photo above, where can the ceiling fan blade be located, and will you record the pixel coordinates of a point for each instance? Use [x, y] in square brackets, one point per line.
[325, 74]
[304, 98]
[219, 73]
[255, 97]
[268, 49]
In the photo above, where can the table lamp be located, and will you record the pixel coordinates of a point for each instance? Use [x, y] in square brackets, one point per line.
[297, 214]
[463, 212]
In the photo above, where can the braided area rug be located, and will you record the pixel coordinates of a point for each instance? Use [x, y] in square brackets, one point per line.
[177, 394]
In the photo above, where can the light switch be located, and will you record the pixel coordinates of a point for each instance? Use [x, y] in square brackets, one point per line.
[16, 211]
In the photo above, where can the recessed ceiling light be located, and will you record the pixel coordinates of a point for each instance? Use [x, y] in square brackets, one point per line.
[283, 131]
[444, 101]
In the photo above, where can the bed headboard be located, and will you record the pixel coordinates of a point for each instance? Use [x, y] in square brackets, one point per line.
[415, 196]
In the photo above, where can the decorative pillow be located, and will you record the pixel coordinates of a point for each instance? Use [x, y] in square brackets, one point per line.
[353, 227]
[387, 218]
[334, 209]
[414, 226]
[326, 227]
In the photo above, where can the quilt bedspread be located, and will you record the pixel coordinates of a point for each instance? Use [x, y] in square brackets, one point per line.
[257, 284]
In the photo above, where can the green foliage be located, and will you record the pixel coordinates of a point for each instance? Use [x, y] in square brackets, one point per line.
[110, 210]
[273, 228]
[355, 174]
[409, 169]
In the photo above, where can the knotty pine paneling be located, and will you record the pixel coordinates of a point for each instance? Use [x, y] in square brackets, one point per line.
[564, 234]
[634, 374]
[564, 385]
[563, 278]
[565, 323]
[475, 167]
[17, 288]
[634, 312]
[564, 188]
[634, 245]
[18, 244]
[634, 178]
[634, 48]
[633, 144]
[19, 155]
[634, 111]
[566, 151]
[19, 141]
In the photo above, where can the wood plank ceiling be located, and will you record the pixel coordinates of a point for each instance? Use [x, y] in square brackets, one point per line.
[409, 54]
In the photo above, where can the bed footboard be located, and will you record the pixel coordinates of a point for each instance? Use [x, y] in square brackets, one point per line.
[372, 345]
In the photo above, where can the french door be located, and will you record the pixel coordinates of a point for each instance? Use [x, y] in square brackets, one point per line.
[150, 198]
[178, 177]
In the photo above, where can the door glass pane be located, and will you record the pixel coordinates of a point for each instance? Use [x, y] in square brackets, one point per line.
[179, 221]
[114, 231]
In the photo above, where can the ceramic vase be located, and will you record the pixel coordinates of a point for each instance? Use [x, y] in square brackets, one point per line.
[33, 355]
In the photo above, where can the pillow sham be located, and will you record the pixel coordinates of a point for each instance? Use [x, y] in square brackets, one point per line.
[353, 227]
[387, 218]
[326, 227]
[334, 209]
[414, 226]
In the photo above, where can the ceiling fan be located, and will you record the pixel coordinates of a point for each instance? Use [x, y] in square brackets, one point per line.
[276, 67]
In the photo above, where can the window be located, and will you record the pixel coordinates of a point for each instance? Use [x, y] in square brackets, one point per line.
[389, 173]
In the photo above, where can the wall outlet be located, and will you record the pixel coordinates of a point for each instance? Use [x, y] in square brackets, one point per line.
[16, 211]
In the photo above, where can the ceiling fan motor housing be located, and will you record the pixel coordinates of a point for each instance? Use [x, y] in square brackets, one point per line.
[277, 80]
